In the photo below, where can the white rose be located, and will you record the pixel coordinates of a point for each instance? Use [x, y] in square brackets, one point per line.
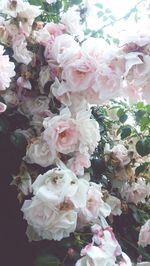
[144, 235]
[48, 221]
[71, 19]
[38, 152]
[115, 205]
[56, 185]
[120, 153]
[21, 53]
[89, 131]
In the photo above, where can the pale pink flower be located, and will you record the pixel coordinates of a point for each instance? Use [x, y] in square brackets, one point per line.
[89, 134]
[95, 206]
[136, 192]
[115, 204]
[58, 185]
[2, 107]
[71, 19]
[12, 8]
[6, 70]
[11, 98]
[21, 53]
[55, 29]
[78, 163]
[107, 82]
[38, 152]
[121, 154]
[144, 235]
[61, 133]
[79, 74]
[47, 220]
[64, 48]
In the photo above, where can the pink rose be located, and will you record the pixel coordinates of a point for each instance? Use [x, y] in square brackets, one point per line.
[95, 206]
[78, 163]
[80, 73]
[136, 192]
[120, 153]
[144, 235]
[61, 133]
[55, 29]
[2, 107]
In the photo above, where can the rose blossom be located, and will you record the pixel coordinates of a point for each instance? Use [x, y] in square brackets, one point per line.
[64, 49]
[47, 220]
[95, 206]
[61, 133]
[71, 19]
[6, 70]
[105, 253]
[65, 134]
[120, 153]
[144, 235]
[38, 152]
[56, 185]
[79, 74]
[23, 11]
[78, 163]
[89, 134]
[115, 204]
[2, 107]
[21, 53]
[136, 192]
[11, 98]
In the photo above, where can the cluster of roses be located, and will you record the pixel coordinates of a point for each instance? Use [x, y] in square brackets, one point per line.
[75, 76]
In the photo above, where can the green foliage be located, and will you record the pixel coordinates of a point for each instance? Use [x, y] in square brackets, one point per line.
[19, 142]
[143, 146]
[47, 260]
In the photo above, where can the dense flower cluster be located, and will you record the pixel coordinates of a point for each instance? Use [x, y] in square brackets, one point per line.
[57, 79]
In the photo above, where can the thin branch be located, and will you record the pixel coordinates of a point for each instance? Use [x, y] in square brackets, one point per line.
[133, 9]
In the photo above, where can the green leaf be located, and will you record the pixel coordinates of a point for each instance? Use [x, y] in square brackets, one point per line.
[87, 31]
[4, 125]
[148, 108]
[141, 169]
[108, 10]
[123, 118]
[99, 5]
[125, 132]
[144, 122]
[145, 255]
[116, 41]
[143, 146]
[139, 115]
[120, 112]
[112, 17]
[140, 105]
[47, 260]
[19, 141]
[36, 2]
[100, 14]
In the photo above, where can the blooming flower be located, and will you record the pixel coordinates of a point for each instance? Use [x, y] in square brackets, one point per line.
[6, 70]
[38, 152]
[136, 192]
[21, 53]
[144, 235]
[48, 221]
[56, 185]
[106, 251]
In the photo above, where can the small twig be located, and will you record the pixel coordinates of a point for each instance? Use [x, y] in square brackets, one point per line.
[134, 9]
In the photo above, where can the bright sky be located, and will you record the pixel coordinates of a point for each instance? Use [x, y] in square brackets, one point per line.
[119, 9]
